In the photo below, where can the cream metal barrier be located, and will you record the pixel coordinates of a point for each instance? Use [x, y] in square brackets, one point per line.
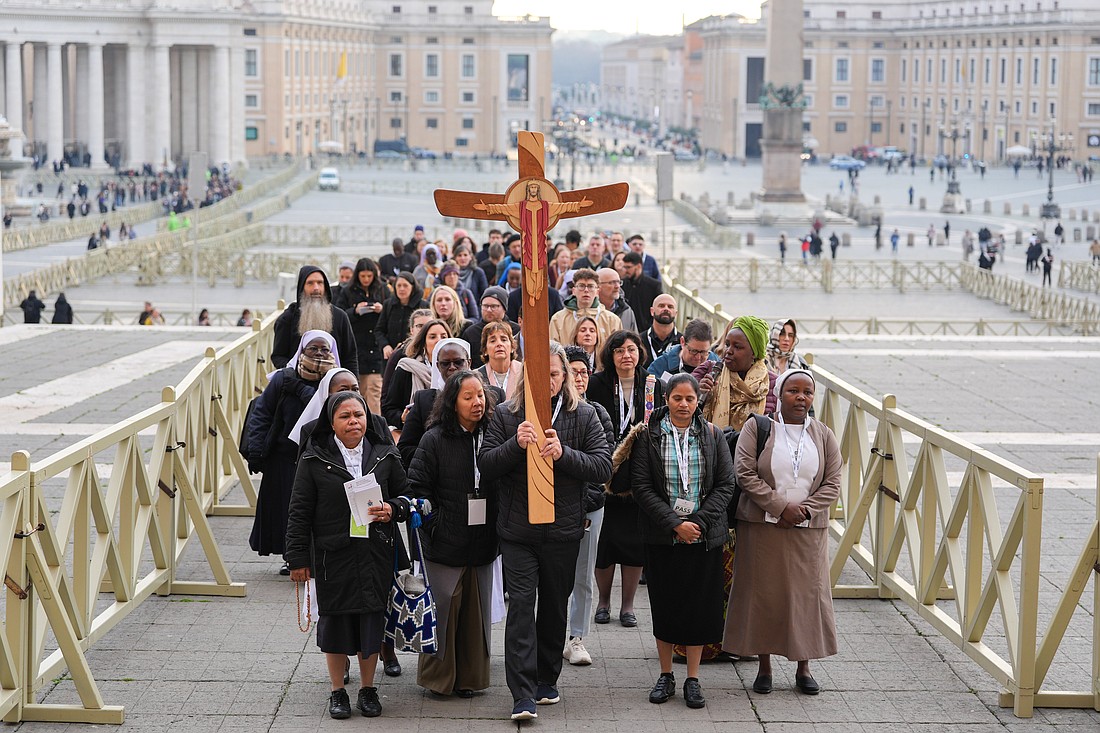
[39, 235]
[121, 530]
[1079, 275]
[944, 550]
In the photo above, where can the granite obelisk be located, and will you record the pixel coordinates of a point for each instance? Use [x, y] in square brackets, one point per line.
[782, 103]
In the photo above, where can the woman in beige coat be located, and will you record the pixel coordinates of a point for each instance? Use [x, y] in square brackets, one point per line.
[780, 601]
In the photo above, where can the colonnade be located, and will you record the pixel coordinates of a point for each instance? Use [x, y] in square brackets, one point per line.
[124, 103]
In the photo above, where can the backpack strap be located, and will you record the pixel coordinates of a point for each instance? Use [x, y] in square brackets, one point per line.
[763, 429]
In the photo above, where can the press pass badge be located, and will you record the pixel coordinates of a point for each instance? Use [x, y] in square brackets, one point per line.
[683, 507]
[475, 510]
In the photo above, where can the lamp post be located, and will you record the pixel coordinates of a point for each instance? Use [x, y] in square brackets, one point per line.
[952, 200]
[985, 132]
[1053, 142]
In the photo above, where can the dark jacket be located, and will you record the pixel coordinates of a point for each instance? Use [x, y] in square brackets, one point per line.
[274, 413]
[353, 575]
[390, 265]
[416, 424]
[639, 295]
[657, 520]
[62, 311]
[670, 361]
[286, 328]
[586, 459]
[392, 326]
[368, 352]
[443, 471]
[32, 308]
[604, 388]
[515, 303]
[595, 497]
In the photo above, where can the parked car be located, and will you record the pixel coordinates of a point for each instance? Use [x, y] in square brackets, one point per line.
[328, 179]
[424, 153]
[846, 163]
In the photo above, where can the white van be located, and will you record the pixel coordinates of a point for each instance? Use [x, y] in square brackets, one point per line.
[328, 180]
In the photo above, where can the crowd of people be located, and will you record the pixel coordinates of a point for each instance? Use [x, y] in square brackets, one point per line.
[407, 373]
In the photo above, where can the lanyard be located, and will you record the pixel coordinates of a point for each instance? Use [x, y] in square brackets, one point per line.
[625, 413]
[795, 453]
[503, 383]
[681, 458]
[653, 349]
[476, 444]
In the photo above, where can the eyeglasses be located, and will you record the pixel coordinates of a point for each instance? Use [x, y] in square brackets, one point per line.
[625, 351]
[581, 371]
[696, 352]
[584, 286]
[451, 364]
[492, 307]
[311, 350]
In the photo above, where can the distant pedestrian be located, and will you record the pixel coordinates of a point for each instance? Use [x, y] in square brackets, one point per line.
[834, 243]
[245, 319]
[912, 193]
[1048, 265]
[1059, 234]
[878, 236]
[62, 311]
[32, 308]
[931, 234]
[968, 244]
[782, 246]
[894, 237]
[204, 318]
[932, 174]
[947, 232]
[805, 249]
[1094, 250]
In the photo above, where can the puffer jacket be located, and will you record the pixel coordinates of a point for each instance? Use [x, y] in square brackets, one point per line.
[586, 459]
[442, 470]
[657, 520]
[353, 575]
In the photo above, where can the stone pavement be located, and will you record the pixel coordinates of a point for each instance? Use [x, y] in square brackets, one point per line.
[206, 664]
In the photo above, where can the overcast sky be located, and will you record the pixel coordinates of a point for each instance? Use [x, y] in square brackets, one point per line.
[625, 16]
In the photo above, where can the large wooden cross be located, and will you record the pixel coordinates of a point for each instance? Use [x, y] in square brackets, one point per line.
[532, 206]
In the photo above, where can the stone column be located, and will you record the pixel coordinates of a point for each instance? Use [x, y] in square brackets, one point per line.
[220, 105]
[95, 105]
[236, 106]
[161, 84]
[55, 126]
[82, 88]
[136, 96]
[782, 140]
[13, 89]
[39, 108]
[189, 112]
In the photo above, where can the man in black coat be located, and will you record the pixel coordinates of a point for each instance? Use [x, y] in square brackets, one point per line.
[515, 303]
[313, 310]
[32, 308]
[639, 290]
[493, 308]
[398, 261]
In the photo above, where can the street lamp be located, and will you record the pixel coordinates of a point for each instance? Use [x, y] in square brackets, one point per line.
[952, 200]
[1053, 142]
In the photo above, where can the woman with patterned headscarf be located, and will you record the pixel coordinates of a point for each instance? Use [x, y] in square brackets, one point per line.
[739, 384]
[782, 339]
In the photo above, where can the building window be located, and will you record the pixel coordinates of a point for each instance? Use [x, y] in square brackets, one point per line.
[973, 70]
[876, 15]
[251, 133]
[943, 71]
[878, 101]
[841, 14]
[1035, 72]
[396, 97]
[878, 70]
[1004, 70]
[395, 123]
[518, 77]
[396, 64]
[250, 31]
[468, 97]
[396, 10]
[1019, 71]
[432, 40]
[251, 100]
[809, 100]
[467, 123]
[432, 123]
[840, 127]
[431, 65]
[250, 62]
[840, 101]
[958, 71]
[988, 68]
[807, 69]
[1053, 72]
[396, 39]
[876, 127]
[1094, 72]
[468, 9]
[432, 10]
[1034, 108]
[461, 142]
[842, 70]
[468, 66]
[467, 41]
[904, 68]
[431, 97]
[1093, 109]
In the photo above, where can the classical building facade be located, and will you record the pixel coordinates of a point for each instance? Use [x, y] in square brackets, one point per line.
[976, 78]
[137, 81]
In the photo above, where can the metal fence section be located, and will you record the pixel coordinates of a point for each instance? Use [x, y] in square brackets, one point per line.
[38, 235]
[948, 551]
[1083, 276]
[128, 513]
[303, 235]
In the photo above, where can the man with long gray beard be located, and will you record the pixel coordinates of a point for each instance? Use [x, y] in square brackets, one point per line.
[313, 310]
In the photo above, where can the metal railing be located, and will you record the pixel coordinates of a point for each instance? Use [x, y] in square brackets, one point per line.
[1083, 276]
[944, 548]
[39, 235]
[76, 570]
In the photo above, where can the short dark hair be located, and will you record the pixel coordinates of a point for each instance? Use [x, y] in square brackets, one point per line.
[698, 330]
[496, 251]
[494, 231]
[511, 238]
[615, 341]
[585, 273]
[572, 237]
[633, 237]
[576, 353]
[633, 258]
[681, 378]
[444, 412]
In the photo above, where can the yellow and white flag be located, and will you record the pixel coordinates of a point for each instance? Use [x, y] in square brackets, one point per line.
[342, 69]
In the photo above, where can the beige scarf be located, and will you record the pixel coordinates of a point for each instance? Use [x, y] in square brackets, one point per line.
[733, 399]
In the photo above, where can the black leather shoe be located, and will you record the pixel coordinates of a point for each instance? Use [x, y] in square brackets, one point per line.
[464, 694]
[693, 694]
[664, 690]
[368, 703]
[339, 706]
[762, 684]
[347, 670]
[285, 569]
[806, 684]
[603, 616]
[392, 667]
[628, 619]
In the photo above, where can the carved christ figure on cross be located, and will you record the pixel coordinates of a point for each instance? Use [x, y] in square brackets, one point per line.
[534, 217]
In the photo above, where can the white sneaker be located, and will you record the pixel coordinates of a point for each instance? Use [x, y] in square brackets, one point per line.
[575, 653]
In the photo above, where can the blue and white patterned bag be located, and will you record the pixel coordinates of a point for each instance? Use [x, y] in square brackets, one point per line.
[411, 618]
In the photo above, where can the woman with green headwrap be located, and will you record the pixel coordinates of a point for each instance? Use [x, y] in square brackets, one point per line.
[740, 384]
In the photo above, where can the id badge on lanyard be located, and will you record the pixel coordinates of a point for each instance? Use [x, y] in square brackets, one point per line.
[476, 505]
[682, 505]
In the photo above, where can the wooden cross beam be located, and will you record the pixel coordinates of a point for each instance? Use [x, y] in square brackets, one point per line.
[532, 206]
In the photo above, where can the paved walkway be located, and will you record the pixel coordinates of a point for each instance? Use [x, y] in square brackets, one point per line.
[206, 664]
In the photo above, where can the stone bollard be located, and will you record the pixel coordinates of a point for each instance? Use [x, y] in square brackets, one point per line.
[845, 240]
[941, 241]
[750, 238]
[1077, 234]
[878, 200]
[910, 239]
[729, 198]
[1019, 236]
[987, 207]
[1073, 214]
[923, 203]
[637, 199]
[968, 206]
[1025, 210]
[1008, 209]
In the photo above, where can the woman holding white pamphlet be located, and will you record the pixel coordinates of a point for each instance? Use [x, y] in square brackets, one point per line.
[459, 538]
[780, 602]
[341, 533]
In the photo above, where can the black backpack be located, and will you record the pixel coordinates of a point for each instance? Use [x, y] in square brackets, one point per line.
[763, 429]
[242, 443]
